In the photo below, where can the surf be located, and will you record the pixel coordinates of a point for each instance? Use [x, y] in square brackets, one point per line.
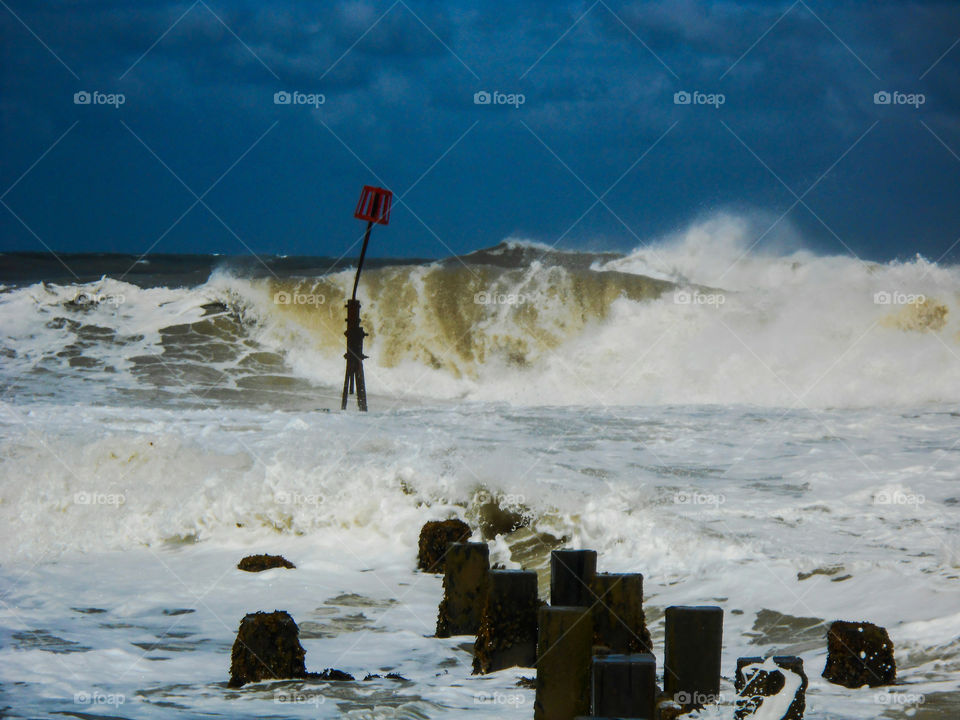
[696, 317]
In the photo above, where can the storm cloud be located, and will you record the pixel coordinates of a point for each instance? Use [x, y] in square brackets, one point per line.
[837, 119]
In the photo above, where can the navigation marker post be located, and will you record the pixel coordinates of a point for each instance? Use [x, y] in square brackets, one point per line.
[374, 207]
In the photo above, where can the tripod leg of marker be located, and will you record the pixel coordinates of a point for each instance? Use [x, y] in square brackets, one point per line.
[361, 390]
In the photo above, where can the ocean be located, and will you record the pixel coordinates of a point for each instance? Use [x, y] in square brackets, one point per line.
[771, 432]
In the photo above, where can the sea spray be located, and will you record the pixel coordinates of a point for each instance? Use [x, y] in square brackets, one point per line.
[698, 317]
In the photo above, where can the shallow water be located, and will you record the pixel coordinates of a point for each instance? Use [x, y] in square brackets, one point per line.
[788, 453]
[129, 588]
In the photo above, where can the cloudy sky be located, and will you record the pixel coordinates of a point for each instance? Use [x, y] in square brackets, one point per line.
[587, 141]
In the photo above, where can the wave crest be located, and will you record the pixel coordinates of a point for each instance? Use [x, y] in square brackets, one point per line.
[697, 317]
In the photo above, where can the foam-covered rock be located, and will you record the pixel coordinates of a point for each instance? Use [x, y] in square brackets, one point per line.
[858, 654]
[774, 688]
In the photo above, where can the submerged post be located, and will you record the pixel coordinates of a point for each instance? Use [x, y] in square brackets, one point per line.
[571, 577]
[374, 207]
[619, 623]
[564, 653]
[507, 636]
[466, 568]
[692, 647]
[625, 686]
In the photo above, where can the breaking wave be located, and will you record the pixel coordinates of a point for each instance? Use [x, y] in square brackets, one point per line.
[694, 318]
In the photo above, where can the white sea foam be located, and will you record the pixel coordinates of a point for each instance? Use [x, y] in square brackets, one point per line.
[683, 461]
[739, 326]
[781, 515]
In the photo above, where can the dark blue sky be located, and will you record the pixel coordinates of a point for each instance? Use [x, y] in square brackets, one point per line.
[799, 133]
